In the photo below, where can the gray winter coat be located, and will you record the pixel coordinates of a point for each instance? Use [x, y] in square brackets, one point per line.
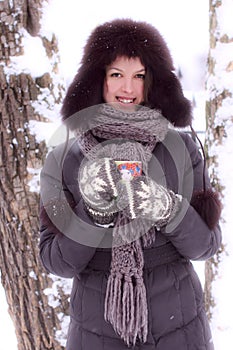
[177, 318]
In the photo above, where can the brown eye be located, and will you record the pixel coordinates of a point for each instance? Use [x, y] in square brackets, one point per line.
[140, 76]
[115, 75]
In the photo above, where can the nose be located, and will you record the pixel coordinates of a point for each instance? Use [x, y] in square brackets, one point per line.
[127, 85]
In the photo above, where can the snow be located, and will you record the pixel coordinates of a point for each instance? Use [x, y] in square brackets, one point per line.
[221, 323]
[222, 287]
[53, 295]
[224, 15]
[53, 292]
[185, 29]
[33, 49]
[42, 130]
[33, 275]
[61, 334]
[223, 54]
[34, 182]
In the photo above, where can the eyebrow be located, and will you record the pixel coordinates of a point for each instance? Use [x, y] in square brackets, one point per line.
[138, 71]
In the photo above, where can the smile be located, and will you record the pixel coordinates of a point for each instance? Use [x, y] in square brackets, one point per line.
[126, 100]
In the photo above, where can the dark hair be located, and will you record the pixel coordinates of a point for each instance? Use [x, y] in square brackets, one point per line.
[148, 83]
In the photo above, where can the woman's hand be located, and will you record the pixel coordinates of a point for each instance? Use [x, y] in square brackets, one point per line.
[98, 186]
[143, 197]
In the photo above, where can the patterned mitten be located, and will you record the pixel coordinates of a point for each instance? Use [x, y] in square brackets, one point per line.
[142, 197]
[97, 184]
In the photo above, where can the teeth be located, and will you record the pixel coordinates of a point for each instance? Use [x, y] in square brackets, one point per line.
[125, 100]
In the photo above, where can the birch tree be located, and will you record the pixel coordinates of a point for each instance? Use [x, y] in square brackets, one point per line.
[30, 94]
[219, 144]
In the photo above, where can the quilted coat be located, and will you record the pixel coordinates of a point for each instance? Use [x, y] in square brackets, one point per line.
[177, 318]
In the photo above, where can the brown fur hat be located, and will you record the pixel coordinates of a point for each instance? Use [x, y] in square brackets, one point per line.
[125, 37]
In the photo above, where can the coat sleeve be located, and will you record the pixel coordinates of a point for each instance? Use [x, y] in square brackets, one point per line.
[68, 237]
[188, 232]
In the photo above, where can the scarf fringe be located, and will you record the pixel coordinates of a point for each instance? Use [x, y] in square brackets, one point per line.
[126, 307]
[141, 316]
[125, 300]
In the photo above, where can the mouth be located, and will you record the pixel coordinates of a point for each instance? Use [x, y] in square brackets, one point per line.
[125, 100]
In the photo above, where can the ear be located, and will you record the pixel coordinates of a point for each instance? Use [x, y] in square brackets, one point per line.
[208, 206]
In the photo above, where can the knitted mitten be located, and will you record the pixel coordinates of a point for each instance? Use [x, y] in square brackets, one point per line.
[142, 197]
[97, 184]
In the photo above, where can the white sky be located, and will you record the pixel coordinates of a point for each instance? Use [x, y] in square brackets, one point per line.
[183, 23]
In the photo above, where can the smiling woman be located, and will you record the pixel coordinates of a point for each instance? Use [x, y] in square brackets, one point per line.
[138, 43]
[127, 242]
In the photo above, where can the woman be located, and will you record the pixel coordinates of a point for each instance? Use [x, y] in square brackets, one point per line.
[128, 244]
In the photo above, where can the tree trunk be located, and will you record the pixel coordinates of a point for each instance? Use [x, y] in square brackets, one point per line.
[219, 144]
[37, 316]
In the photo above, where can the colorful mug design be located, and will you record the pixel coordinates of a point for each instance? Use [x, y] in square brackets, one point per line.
[129, 169]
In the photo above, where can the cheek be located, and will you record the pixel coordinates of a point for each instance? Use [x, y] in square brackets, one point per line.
[140, 91]
[109, 91]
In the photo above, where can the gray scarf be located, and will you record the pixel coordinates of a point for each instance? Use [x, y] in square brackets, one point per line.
[131, 136]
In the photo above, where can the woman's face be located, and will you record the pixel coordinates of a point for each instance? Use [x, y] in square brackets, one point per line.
[124, 82]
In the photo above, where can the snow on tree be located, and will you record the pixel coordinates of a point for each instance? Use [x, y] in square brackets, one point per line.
[219, 144]
[30, 97]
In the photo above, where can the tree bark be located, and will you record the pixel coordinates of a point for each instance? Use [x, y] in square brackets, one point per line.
[38, 325]
[218, 144]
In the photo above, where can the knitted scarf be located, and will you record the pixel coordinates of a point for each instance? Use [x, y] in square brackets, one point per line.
[130, 136]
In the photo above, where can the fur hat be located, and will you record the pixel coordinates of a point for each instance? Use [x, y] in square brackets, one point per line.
[125, 37]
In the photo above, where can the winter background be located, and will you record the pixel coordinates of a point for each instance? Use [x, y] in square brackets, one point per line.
[185, 27]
